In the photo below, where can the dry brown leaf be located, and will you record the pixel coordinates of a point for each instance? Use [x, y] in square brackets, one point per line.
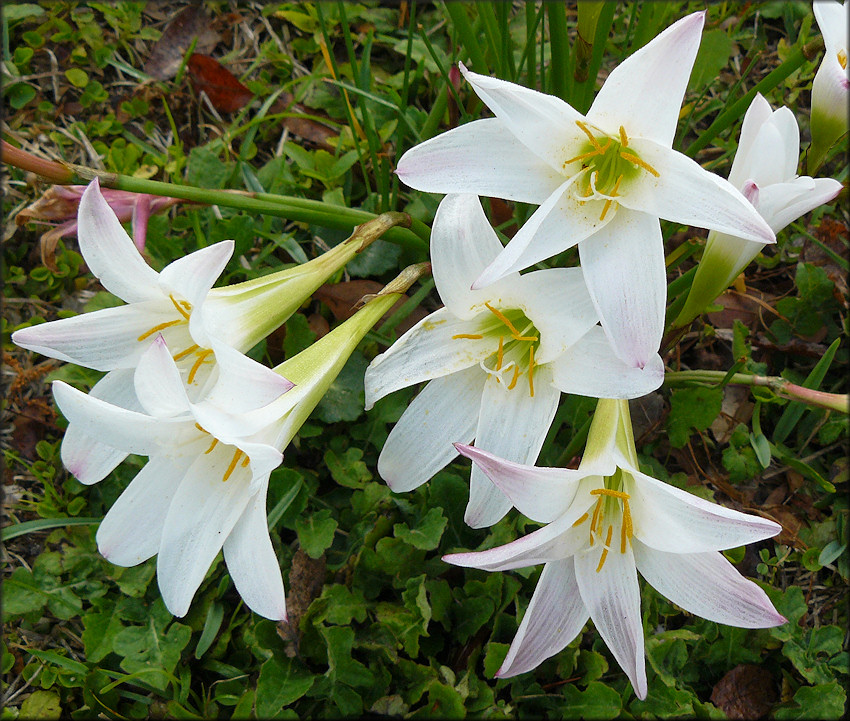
[746, 692]
[736, 408]
[306, 578]
[167, 53]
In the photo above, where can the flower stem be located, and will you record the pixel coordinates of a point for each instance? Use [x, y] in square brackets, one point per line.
[783, 388]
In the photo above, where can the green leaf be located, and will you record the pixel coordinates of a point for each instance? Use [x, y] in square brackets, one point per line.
[598, 701]
[348, 470]
[99, 633]
[342, 668]
[494, 657]
[215, 615]
[692, 408]
[41, 705]
[345, 399]
[24, 592]
[19, 94]
[78, 78]
[831, 551]
[344, 605]
[426, 536]
[316, 532]
[713, 55]
[379, 258]
[825, 701]
[18, 11]
[761, 447]
[205, 170]
[282, 681]
[298, 335]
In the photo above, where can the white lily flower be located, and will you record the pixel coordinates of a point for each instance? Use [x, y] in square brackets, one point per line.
[497, 360]
[830, 114]
[601, 180]
[179, 303]
[204, 488]
[606, 521]
[765, 170]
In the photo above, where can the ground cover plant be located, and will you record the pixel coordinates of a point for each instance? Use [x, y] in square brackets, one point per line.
[258, 140]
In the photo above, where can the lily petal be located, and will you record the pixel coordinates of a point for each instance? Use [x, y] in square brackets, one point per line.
[591, 368]
[110, 253]
[782, 203]
[159, 387]
[514, 423]
[707, 585]
[481, 157]
[252, 562]
[131, 531]
[623, 267]
[428, 350]
[756, 116]
[669, 519]
[193, 275]
[555, 616]
[613, 598]
[645, 91]
[446, 410]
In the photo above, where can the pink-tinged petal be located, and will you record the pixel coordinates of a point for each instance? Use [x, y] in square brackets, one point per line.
[686, 193]
[545, 124]
[118, 427]
[770, 155]
[612, 596]
[542, 494]
[558, 224]
[110, 253]
[512, 423]
[132, 529]
[707, 585]
[463, 244]
[481, 157]
[420, 444]
[781, 204]
[756, 116]
[86, 457]
[252, 562]
[244, 384]
[159, 387]
[192, 276]
[645, 91]
[201, 515]
[141, 215]
[669, 519]
[554, 542]
[591, 368]
[623, 267]
[103, 340]
[433, 348]
[555, 616]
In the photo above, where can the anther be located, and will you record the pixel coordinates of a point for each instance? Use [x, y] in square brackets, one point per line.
[198, 363]
[605, 549]
[842, 59]
[500, 354]
[580, 521]
[624, 139]
[635, 160]
[502, 317]
[469, 336]
[212, 445]
[514, 379]
[531, 371]
[158, 328]
[183, 308]
[183, 353]
[593, 141]
[232, 466]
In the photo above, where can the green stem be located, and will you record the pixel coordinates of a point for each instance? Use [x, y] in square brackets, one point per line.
[783, 388]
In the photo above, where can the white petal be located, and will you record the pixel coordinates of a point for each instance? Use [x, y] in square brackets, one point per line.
[645, 91]
[624, 270]
[193, 275]
[707, 585]
[85, 456]
[103, 340]
[756, 116]
[669, 519]
[558, 224]
[420, 444]
[542, 494]
[686, 193]
[591, 368]
[555, 616]
[554, 542]
[117, 427]
[463, 244]
[832, 23]
[783, 203]
[545, 124]
[110, 253]
[252, 562]
[428, 350]
[481, 157]
[769, 157]
[613, 598]
[132, 529]
[159, 387]
[513, 424]
[202, 514]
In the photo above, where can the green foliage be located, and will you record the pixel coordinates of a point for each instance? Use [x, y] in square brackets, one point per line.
[692, 408]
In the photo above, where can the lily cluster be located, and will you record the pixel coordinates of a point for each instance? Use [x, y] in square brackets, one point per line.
[498, 355]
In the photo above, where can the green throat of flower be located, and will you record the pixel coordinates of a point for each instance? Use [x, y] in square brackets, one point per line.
[612, 504]
[516, 341]
[605, 162]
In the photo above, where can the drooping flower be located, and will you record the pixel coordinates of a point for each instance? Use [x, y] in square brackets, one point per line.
[601, 181]
[606, 521]
[765, 170]
[204, 487]
[830, 113]
[497, 360]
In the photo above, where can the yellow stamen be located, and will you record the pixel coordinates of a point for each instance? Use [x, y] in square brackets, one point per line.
[158, 328]
[583, 156]
[500, 353]
[198, 363]
[502, 317]
[635, 160]
[624, 139]
[605, 550]
[245, 461]
[593, 141]
[842, 59]
[596, 516]
[212, 445]
[183, 308]
[580, 520]
[514, 379]
[531, 371]
[183, 353]
[232, 466]
[609, 492]
[200, 428]
[470, 336]
[609, 201]
[605, 209]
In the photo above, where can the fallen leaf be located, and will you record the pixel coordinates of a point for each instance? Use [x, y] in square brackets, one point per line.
[306, 579]
[736, 408]
[746, 692]
[225, 92]
[167, 53]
